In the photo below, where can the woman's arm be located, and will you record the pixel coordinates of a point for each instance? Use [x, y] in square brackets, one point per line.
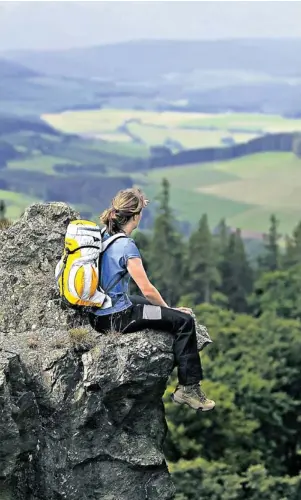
[137, 272]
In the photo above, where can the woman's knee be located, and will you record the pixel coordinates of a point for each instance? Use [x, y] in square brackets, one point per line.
[185, 320]
[189, 321]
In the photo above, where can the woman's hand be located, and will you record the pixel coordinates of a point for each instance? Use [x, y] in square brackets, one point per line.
[186, 310]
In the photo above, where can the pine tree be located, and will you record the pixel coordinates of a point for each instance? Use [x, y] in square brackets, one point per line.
[237, 276]
[292, 255]
[270, 261]
[222, 236]
[166, 251]
[221, 240]
[203, 276]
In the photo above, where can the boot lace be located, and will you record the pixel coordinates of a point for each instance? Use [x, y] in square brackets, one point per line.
[196, 389]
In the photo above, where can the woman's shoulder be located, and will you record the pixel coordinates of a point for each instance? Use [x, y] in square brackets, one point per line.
[121, 242]
[127, 242]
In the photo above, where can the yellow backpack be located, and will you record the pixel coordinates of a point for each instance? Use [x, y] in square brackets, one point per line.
[78, 271]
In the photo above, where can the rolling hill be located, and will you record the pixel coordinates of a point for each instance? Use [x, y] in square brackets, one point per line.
[10, 69]
[26, 92]
[209, 76]
[127, 60]
[246, 191]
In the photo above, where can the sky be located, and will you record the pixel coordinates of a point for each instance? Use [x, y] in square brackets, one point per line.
[62, 25]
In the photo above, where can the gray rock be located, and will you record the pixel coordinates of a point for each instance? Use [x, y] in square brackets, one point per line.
[81, 414]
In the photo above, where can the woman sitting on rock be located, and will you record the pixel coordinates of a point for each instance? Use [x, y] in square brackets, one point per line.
[131, 314]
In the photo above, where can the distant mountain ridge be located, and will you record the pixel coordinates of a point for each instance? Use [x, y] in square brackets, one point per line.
[261, 75]
[154, 58]
[11, 69]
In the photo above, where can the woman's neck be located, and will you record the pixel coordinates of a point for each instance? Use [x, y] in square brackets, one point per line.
[127, 229]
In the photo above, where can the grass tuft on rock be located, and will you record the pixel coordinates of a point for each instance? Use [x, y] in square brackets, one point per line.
[81, 338]
[5, 224]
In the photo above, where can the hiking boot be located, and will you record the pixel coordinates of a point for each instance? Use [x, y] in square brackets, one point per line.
[193, 396]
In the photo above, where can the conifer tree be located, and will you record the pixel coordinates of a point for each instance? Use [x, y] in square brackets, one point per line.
[221, 240]
[222, 237]
[203, 275]
[166, 251]
[270, 261]
[292, 255]
[237, 276]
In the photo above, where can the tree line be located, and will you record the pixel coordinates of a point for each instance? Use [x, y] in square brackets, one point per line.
[215, 268]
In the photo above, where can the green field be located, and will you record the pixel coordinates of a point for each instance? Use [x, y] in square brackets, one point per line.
[39, 163]
[183, 138]
[247, 121]
[41, 152]
[245, 191]
[178, 130]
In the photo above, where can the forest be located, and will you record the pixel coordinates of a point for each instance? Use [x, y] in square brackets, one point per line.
[249, 447]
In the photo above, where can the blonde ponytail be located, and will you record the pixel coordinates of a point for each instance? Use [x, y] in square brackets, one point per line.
[109, 219]
[125, 205]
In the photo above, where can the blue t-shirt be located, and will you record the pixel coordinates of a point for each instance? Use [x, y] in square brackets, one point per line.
[114, 263]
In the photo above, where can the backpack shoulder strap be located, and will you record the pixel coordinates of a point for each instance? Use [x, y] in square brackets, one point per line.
[109, 241]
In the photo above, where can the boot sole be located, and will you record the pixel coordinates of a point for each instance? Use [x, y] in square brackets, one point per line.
[200, 409]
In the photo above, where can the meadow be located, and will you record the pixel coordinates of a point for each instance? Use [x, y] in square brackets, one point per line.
[246, 191]
[178, 130]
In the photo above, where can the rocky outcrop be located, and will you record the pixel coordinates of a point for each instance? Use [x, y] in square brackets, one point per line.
[81, 414]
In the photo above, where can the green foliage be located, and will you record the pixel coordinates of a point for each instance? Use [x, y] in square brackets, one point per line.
[203, 276]
[200, 479]
[279, 293]
[222, 238]
[292, 255]
[236, 273]
[249, 447]
[259, 484]
[270, 261]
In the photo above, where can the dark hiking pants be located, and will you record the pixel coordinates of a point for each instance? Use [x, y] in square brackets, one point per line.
[142, 315]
